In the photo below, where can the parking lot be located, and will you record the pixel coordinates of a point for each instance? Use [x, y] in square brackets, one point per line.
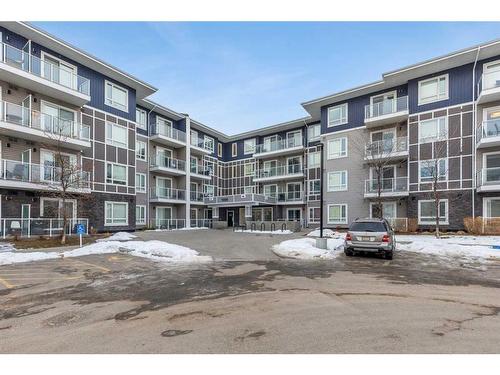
[248, 301]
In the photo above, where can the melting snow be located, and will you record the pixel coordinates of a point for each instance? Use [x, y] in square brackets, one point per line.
[119, 236]
[305, 248]
[326, 233]
[286, 231]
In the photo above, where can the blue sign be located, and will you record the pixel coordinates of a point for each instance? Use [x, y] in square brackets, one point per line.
[80, 229]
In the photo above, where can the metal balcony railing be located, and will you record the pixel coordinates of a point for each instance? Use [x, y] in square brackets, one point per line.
[168, 131]
[386, 107]
[54, 127]
[196, 196]
[279, 145]
[488, 176]
[239, 198]
[488, 81]
[203, 143]
[168, 193]
[387, 185]
[40, 226]
[54, 73]
[288, 196]
[488, 129]
[158, 161]
[281, 170]
[200, 169]
[386, 147]
[167, 223]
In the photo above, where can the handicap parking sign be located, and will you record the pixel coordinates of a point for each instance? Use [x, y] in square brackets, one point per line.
[80, 229]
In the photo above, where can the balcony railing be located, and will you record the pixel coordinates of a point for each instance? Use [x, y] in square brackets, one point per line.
[386, 107]
[167, 223]
[168, 193]
[202, 143]
[488, 81]
[54, 127]
[39, 226]
[43, 174]
[54, 73]
[169, 132]
[158, 161]
[281, 170]
[239, 198]
[279, 145]
[288, 196]
[387, 185]
[196, 196]
[488, 129]
[200, 169]
[386, 147]
[488, 176]
[200, 223]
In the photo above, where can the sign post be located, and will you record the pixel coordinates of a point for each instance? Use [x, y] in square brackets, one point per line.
[80, 230]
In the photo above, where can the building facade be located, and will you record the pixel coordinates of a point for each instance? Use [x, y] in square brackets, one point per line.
[80, 138]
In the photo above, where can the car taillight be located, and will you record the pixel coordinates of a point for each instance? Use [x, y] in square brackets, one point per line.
[348, 237]
[386, 238]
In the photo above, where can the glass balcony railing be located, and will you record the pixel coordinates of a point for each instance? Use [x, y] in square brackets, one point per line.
[200, 170]
[168, 193]
[52, 126]
[279, 145]
[158, 161]
[488, 176]
[281, 170]
[386, 185]
[59, 74]
[206, 144]
[288, 196]
[386, 147]
[196, 196]
[386, 107]
[488, 81]
[72, 178]
[488, 129]
[169, 132]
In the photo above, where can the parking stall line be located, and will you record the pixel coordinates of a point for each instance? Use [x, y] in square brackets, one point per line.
[6, 284]
[91, 265]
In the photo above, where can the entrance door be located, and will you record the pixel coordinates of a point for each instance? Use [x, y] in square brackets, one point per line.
[230, 218]
[25, 222]
[163, 187]
[26, 108]
[164, 157]
[26, 165]
[491, 126]
[294, 164]
[163, 217]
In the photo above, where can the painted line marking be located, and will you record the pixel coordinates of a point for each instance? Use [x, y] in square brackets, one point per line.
[6, 283]
[92, 265]
[115, 258]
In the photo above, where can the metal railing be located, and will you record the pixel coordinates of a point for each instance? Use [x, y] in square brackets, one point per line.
[44, 174]
[55, 127]
[200, 223]
[158, 161]
[386, 107]
[168, 131]
[387, 185]
[239, 198]
[278, 145]
[167, 223]
[200, 169]
[281, 170]
[386, 147]
[398, 224]
[168, 193]
[195, 196]
[289, 196]
[488, 176]
[488, 129]
[54, 73]
[488, 81]
[202, 143]
[39, 226]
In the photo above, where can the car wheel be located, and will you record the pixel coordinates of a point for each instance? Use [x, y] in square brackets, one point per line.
[348, 252]
[388, 255]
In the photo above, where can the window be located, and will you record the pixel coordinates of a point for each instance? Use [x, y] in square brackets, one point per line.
[491, 207]
[116, 135]
[314, 187]
[294, 138]
[116, 96]
[140, 150]
[337, 148]
[249, 146]
[314, 215]
[270, 190]
[313, 159]
[433, 130]
[337, 115]
[140, 118]
[116, 213]
[209, 166]
[219, 146]
[427, 170]
[58, 120]
[313, 132]
[293, 214]
[337, 214]
[208, 190]
[433, 89]
[337, 181]
[427, 211]
[234, 150]
[116, 174]
[140, 182]
[208, 143]
[194, 138]
[248, 189]
[248, 169]
[55, 208]
[140, 215]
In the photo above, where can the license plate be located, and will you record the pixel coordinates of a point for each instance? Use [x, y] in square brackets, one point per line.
[367, 239]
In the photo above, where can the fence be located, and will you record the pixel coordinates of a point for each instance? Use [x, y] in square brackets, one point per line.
[39, 227]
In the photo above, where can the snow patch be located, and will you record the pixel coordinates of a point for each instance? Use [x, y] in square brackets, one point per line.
[171, 230]
[286, 231]
[118, 236]
[305, 248]
[5, 247]
[326, 233]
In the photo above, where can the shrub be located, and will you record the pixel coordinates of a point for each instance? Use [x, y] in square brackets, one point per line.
[412, 225]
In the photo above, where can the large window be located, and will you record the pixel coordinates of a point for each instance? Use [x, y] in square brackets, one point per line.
[314, 215]
[234, 150]
[337, 115]
[337, 214]
[140, 118]
[116, 96]
[249, 146]
[313, 132]
[219, 149]
[140, 182]
[337, 148]
[248, 169]
[433, 130]
[116, 135]
[140, 215]
[116, 174]
[208, 190]
[433, 89]
[313, 159]
[429, 170]
[208, 143]
[314, 187]
[116, 213]
[337, 181]
[427, 211]
[140, 150]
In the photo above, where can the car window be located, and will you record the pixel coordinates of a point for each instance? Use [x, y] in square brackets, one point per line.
[368, 227]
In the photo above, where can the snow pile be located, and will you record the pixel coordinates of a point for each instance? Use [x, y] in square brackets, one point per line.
[286, 231]
[305, 248]
[171, 230]
[155, 250]
[465, 246]
[118, 236]
[326, 233]
[4, 247]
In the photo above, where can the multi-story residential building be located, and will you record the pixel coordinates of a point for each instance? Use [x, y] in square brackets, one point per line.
[142, 165]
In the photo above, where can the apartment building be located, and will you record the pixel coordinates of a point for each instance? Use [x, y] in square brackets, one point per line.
[139, 164]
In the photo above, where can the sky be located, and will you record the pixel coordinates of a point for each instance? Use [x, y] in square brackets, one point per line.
[240, 76]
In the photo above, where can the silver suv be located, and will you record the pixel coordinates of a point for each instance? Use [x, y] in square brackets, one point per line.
[370, 235]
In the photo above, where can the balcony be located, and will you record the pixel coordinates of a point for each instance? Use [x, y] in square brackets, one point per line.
[239, 200]
[290, 197]
[27, 176]
[389, 111]
[167, 195]
[196, 197]
[488, 134]
[21, 122]
[387, 149]
[201, 172]
[201, 145]
[281, 172]
[166, 165]
[388, 187]
[168, 136]
[488, 179]
[488, 88]
[279, 147]
[26, 70]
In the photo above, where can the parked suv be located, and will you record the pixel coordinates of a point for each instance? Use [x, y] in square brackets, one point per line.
[370, 235]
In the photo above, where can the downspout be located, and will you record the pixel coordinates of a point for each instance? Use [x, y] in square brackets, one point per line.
[148, 189]
[474, 134]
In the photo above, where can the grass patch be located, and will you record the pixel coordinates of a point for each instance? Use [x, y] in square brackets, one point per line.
[42, 242]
